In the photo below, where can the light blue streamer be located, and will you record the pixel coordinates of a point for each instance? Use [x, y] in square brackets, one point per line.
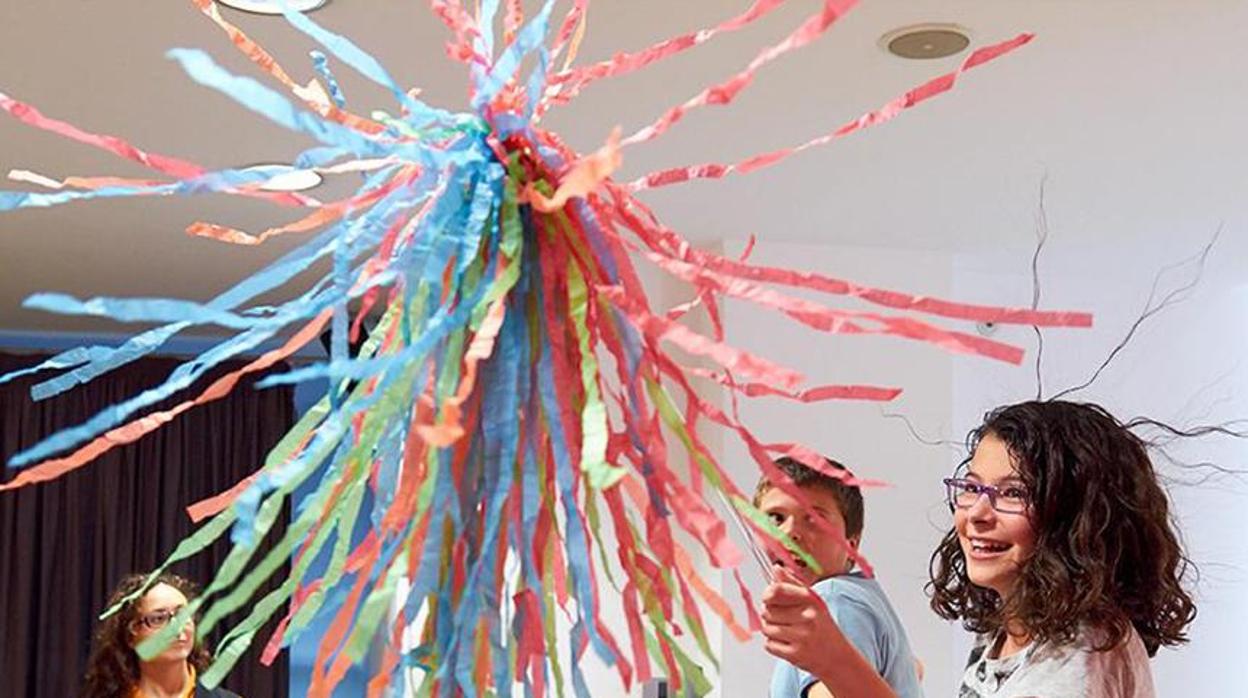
[140, 310]
[67, 359]
[577, 539]
[505, 68]
[359, 59]
[499, 431]
[485, 39]
[321, 64]
[273, 106]
[309, 304]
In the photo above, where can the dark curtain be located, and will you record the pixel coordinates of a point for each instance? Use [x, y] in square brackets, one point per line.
[65, 544]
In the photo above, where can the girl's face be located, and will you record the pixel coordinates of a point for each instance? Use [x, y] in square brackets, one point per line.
[996, 545]
[156, 610]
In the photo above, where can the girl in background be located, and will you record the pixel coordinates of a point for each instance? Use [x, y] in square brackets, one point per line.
[116, 671]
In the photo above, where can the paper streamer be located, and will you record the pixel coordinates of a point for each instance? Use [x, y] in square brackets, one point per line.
[518, 412]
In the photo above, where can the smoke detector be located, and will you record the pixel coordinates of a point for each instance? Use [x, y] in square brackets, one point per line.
[926, 41]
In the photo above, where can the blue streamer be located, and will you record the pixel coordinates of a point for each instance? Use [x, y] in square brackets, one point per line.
[321, 64]
[507, 64]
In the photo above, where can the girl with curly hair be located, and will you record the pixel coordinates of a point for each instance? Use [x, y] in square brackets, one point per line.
[1063, 559]
[116, 671]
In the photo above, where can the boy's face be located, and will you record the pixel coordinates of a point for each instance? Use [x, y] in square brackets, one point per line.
[799, 522]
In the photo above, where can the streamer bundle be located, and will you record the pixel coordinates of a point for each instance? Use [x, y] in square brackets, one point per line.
[514, 412]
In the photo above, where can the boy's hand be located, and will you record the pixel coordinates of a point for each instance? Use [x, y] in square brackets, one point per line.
[798, 627]
[801, 631]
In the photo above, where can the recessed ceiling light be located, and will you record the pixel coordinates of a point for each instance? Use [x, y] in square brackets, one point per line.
[273, 7]
[286, 177]
[924, 41]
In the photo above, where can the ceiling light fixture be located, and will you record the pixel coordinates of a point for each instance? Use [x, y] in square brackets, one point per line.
[286, 177]
[273, 7]
[926, 41]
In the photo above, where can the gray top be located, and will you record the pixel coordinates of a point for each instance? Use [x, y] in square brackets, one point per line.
[1059, 671]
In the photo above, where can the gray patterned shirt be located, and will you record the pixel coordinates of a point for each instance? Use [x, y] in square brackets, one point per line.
[1059, 671]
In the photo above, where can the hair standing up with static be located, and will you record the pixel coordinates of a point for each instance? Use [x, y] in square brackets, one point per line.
[1107, 555]
[113, 667]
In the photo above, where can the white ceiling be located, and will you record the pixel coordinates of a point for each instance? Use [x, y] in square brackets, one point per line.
[1133, 108]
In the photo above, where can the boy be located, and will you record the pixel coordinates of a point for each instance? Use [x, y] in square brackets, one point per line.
[799, 600]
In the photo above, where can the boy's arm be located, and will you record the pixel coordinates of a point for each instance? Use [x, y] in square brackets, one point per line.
[801, 631]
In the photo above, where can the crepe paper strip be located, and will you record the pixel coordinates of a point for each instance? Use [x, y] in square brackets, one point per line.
[696, 517]
[685, 569]
[837, 321]
[359, 165]
[701, 456]
[318, 218]
[583, 178]
[706, 299]
[320, 685]
[512, 20]
[341, 511]
[105, 359]
[291, 445]
[210, 506]
[381, 680]
[567, 84]
[726, 91]
[25, 113]
[241, 182]
[667, 242]
[769, 470]
[477, 414]
[140, 309]
[290, 476]
[268, 103]
[266, 62]
[181, 169]
[699, 345]
[819, 393]
[358, 59]
[817, 462]
[232, 645]
[504, 69]
[133, 431]
[465, 29]
[70, 358]
[571, 33]
[182, 377]
[274, 646]
[320, 63]
[233, 563]
[449, 428]
[913, 97]
[81, 182]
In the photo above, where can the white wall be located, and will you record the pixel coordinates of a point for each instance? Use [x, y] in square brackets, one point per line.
[1185, 367]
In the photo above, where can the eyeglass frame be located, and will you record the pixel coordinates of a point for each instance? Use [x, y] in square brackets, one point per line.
[149, 620]
[992, 491]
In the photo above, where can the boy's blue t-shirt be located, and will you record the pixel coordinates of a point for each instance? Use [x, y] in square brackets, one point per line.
[864, 615]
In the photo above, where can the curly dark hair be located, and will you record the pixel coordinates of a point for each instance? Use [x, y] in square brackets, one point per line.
[1107, 554]
[114, 667]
